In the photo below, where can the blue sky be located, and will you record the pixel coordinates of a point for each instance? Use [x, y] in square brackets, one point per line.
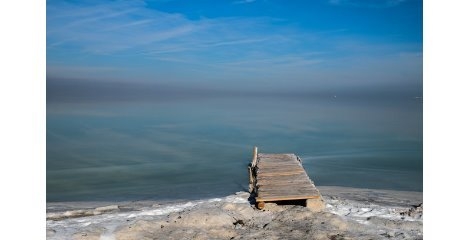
[239, 44]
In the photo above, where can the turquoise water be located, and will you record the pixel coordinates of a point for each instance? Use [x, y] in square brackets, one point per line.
[198, 148]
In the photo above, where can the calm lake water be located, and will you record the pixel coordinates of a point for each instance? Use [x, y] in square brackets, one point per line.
[199, 148]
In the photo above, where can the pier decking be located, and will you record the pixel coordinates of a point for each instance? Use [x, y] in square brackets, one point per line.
[281, 177]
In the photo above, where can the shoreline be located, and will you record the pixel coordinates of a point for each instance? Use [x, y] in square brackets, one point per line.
[351, 213]
[329, 190]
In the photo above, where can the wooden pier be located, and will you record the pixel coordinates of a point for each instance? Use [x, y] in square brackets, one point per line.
[281, 177]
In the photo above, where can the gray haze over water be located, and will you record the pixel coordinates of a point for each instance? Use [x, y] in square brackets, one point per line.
[123, 141]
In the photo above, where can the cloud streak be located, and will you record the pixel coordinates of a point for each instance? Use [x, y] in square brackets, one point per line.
[117, 26]
[244, 1]
[367, 3]
[132, 29]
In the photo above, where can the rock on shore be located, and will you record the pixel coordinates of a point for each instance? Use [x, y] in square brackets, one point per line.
[349, 214]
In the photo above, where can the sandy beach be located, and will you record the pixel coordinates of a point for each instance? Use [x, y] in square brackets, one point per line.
[350, 213]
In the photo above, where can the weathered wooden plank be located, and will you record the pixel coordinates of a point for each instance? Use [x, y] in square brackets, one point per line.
[269, 168]
[274, 180]
[275, 170]
[282, 173]
[287, 164]
[281, 178]
[267, 155]
[273, 192]
[288, 196]
[278, 171]
[272, 170]
[298, 182]
[298, 175]
[274, 189]
[273, 199]
[288, 187]
[290, 161]
[278, 160]
[285, 194]
[280, 164]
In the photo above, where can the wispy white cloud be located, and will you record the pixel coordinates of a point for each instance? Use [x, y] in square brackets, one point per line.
[132, 29]
[367, 3]
[237, 42]
[131, 24]
[114, 27]
[244, 1]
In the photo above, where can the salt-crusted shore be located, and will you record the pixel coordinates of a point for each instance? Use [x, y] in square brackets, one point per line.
[350, 214]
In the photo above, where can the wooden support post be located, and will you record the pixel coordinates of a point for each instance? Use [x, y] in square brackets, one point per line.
[260, 205]
[252, 168]
[250, 186]
[255, 157]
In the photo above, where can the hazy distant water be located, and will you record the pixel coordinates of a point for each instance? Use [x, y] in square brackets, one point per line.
[197, 148]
